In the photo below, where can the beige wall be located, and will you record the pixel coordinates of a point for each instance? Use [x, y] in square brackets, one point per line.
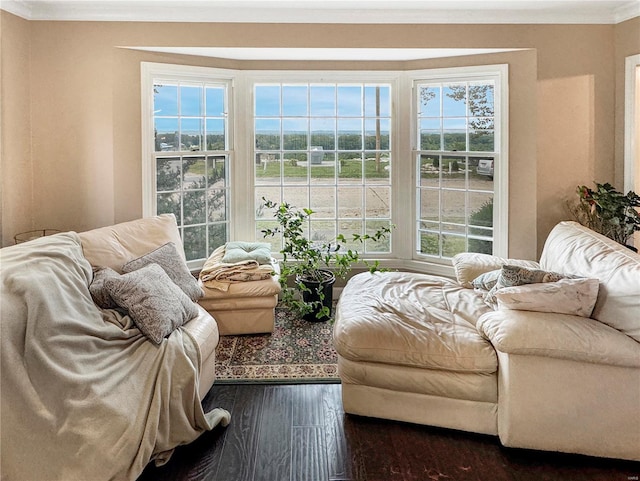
[85, 99]
[627, 42]
[16, 208]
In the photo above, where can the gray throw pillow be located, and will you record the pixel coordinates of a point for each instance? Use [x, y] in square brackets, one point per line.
[486, 281]
[171, 261]
[155, 303]
[99, 294]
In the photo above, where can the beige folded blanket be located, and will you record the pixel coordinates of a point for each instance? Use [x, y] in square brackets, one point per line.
[216, 274]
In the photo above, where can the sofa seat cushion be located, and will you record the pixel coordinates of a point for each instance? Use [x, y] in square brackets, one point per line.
[560, 336]
[413, 320]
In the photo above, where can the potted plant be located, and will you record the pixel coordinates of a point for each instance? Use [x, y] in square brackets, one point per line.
[608, 211]
[309, 269]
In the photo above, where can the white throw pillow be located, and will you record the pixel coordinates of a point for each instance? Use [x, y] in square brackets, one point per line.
[469, 265]
[566, 296]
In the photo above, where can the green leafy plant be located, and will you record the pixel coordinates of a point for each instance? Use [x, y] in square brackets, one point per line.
[306, 262]
[607, 211]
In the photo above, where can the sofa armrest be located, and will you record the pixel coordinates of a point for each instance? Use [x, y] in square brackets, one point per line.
[561, 336]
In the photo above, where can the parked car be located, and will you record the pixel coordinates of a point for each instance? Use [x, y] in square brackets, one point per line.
[485, 167]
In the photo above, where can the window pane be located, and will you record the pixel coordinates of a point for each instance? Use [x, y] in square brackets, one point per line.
[295, 169]
[194, 207]
[323, 100]
[429, 170]
[454, 100]
[294, 100]
[217, 236]
[294, 134]
[323, 231]
[429, 101]
[165, 100]
[323, 202]
[481, 141]
[377, 168]
[190, 101]
[429, 205]
[214, 101]
[217, 205]
[267, 134]
[480, 213]
[167, 174]
[323, 166]
[267, 100]
[481, 100]
[430, 139]
[166, 134]
[452, 245]
[195, 242]
[217, 172]
[191, 134]
[350, 166]
[349, 101]
[348, 228]
[273, 194]
[454, 140]
[382, 245]
[215, 134]
[323, 133]
[169, 204]
[298, 197]
[378, 202]
[377, 134]
[193, 173]
[268, 167]
[377, 101]
[349, 202]
[429, 243]
[350, 134]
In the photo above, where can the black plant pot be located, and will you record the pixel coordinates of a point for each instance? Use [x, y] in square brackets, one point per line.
[326, 287]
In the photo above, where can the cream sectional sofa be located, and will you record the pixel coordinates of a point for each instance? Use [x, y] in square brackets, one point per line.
[429, 350]
[113, 246]
[86, 393]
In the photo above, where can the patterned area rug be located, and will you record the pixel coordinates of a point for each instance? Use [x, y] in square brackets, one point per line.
[297, 351]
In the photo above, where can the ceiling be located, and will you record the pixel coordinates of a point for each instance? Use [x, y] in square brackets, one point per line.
[330, 11]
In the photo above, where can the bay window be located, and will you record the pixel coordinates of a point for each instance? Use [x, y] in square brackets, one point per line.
[217, 142]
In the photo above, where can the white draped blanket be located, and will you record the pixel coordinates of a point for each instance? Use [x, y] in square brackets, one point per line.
[85, 396]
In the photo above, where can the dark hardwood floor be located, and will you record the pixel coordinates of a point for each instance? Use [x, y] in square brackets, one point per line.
[300, 433]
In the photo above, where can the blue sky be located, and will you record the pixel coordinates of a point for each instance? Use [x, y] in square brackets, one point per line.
[330, 106]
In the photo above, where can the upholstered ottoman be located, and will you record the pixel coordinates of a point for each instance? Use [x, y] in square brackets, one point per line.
[241, 286]
[245, 307]
[408, 350]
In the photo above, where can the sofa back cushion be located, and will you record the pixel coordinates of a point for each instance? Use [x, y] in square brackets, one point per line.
[573, 249]
[115, 245]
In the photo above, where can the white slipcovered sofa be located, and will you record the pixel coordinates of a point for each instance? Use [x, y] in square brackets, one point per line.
[85, 393]
[430, 350]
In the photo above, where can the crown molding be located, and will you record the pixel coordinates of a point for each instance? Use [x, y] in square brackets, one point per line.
[331, 11]
[627, 11]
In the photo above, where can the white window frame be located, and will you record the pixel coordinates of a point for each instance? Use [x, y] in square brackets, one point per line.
[151, 73]
[500, 74]
[403, 147]
[318, 77]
